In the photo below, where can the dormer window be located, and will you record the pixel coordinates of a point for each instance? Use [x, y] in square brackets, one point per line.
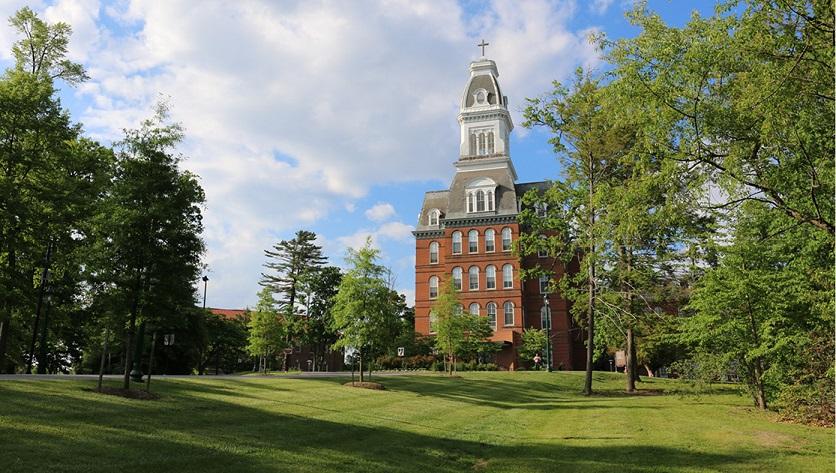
[480, 195]
[435, 214]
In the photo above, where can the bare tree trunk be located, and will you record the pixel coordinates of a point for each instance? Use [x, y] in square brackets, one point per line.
[129, 352]
[631, 363]
[102, 364]
[8, 304]
[361, 366]
[151, 362]
[649, 371]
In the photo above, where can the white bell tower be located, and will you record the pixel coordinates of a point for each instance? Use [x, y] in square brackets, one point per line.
[483, 115]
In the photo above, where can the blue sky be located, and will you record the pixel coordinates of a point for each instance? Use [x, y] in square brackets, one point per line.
[330, 116]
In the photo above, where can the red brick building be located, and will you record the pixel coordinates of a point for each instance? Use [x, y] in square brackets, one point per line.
[466, 233]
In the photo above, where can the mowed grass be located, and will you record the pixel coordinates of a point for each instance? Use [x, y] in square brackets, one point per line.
[491, 422]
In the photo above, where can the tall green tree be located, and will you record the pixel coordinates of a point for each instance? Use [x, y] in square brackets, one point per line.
[266, 330]
[320, 291]
[364, 311]
[456, 332]
[50, 181]
[589, 144]
[767, 310]
[148, 243]
[292, 265]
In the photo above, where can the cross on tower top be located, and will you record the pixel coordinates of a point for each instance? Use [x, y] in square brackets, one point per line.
[482, 45]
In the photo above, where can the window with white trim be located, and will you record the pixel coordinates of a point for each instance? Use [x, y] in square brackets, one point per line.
[490, 240]
[457, 278]
[472, 241]
[435, 214]
[491, 310]
[474, 309]
[507, 276]
[544, 284]
[457, 242]
[473, 278]
[434, 252]
[490, 277]
[509, 313]
[459, 309]
[506, 239]
[433, 287]
[541, 209]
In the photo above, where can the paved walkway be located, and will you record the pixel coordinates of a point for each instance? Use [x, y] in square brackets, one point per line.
[297, 375]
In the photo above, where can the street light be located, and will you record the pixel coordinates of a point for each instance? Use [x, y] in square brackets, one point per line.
[205, 283]
[548, 331]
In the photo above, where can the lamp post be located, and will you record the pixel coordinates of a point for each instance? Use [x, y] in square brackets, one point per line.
[548, 331]
[205, 284]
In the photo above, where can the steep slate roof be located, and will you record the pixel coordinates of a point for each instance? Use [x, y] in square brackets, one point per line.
[452, 202]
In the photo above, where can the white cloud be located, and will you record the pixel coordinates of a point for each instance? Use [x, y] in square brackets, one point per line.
[600, 7]
[380, 212]
[350, 96]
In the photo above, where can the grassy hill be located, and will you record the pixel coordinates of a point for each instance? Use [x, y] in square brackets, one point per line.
[492, 422]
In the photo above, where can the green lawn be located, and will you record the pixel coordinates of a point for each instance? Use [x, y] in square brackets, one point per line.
[511, 422]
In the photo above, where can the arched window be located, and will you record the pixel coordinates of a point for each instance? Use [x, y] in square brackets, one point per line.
[490, 240]
[490, 199]
[509, 313]
[433, 320]
[433, 287]
[434, 252]
[457, 243]
[480, 201]
[473, 278]
[506, 239]
[434, 215]
[472, 241]
[507, 276]
[544, 284]
[490, 142]
[491, 308]
[474, 309]
[470, 201]
[457, 278]
[473, 144]
[490, 277]
[544, 317]
[482, 143]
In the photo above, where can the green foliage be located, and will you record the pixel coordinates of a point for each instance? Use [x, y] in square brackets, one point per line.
[43, 49]
[533, 343]
[457, 333]
[266, 330]
[742, 99]
[767, 306]
[365, 313]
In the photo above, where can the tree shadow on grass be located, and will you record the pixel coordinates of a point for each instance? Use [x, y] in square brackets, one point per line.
[518, 393]
[222, 436]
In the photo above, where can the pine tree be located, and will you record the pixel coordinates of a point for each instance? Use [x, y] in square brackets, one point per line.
[292, 265]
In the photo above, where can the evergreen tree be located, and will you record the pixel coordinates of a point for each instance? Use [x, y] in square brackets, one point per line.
[292, 265]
